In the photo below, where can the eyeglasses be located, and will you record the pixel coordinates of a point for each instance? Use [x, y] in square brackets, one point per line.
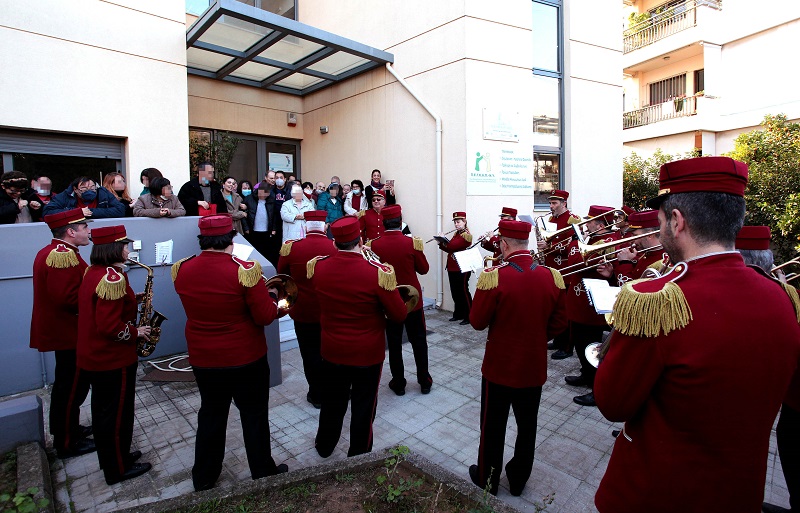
[376, 200]
[87, 188]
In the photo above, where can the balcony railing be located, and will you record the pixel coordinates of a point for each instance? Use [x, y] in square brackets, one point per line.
[660, 25]
[677, 108]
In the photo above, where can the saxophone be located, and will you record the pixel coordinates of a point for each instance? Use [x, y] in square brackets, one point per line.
[148, 316]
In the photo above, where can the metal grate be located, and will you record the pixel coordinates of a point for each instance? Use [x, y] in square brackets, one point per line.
[667, 89]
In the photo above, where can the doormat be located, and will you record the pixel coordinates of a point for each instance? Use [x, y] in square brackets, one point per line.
[169, 369]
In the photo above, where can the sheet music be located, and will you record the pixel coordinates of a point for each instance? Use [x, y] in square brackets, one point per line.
[242, 251]
[469, 260]
[526, 218]
[601, 294]
[164, 252]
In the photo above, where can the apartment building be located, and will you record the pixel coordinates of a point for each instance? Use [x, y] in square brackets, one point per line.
[697, 73]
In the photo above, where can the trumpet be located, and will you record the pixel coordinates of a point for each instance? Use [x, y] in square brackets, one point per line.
[590, 262]
[434, 238]
[777, 271]
[550, 235]
[287, 292]
[408, 293]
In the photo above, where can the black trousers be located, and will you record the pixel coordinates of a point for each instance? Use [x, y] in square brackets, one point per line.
[495, 403]
[563, 341]
[583, 335]
[70, 388]
[265, 243]
[415, 328]
[309, 337]
[459, 289]
[360, 384]
[248, 387]
[113, 393]
[789, 452]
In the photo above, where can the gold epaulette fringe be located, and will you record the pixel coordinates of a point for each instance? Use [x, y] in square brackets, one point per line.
[177, 266]
[369, 243]
[250, 277]
[557, 278]
[387, 279]
[419, 245]
[794, 297]
[649, 314]
[488, 279]
[360, 213]
[286, 249]
[573, 220]
[467, 237]
[310, 266]
[61, 259]
[112, 290]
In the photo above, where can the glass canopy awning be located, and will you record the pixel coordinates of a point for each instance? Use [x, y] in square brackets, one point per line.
[239, 43]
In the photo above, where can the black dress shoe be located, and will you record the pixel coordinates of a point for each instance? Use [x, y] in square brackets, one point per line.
[79, 448]
[514, 489]
[576, 381]
[585, 399]
[134, 456]
[136, 470]
[454, 318]
[551, 346]
[281, 469]
[84, 431]
[766, 507]
[473, 475]
[560, 355]
[464, 322]
[426, 389]
[615, 433]
[398, 387]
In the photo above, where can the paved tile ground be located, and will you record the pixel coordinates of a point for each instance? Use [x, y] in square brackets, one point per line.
[573, 443]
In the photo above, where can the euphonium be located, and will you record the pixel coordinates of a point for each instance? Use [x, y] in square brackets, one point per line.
[148, 316]
[287, 292]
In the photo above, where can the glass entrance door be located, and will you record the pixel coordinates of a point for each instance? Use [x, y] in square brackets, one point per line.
[255, 155]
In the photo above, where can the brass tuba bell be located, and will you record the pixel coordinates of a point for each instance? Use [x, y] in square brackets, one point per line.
[287, 292]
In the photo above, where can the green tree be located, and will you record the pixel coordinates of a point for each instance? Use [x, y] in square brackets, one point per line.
[217, 150]
[773, 190]
[640, 176]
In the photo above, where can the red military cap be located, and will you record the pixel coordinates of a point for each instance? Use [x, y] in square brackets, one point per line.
[559, 195]
[346, 229]
[109, 234]
[596, 210]
[643, 219]
[379, 192]
[315, 215]
[216, 224]
[628, 210]
[64, 218]
[703, 174]
[459, 215]
[508, 211]
[514, 229]
[391, 212]
[753, 237]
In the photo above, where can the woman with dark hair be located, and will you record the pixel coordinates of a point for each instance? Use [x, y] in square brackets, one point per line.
[115, 184]
[354, 202]
[147, 176]
[106, 352]
[376, 185]
[235, 204]
[332, 204]
[459, 282]
[245, 189]
[13, 209]
[159, 202]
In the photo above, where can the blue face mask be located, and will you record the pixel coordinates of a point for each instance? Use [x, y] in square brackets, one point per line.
[204, 181]
[246, 192]
[357, 191]
[88, 196]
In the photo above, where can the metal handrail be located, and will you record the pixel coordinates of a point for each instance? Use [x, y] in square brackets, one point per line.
[676, 108]
[684, 16]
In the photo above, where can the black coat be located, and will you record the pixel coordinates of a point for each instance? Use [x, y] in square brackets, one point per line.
[252, 204]
[8, 208]
[191, 193]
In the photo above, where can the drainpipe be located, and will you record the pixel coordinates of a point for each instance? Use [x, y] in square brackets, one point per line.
[439, 291]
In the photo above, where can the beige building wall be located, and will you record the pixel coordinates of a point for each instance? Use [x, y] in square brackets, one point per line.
[97, 67]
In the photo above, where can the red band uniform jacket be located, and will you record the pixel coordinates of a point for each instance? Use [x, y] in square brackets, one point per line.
[106, 327]
[579, 309]
[294, 262]
[698, 402]
[516, 355]
[632, 270]
[227, 331]
[405, 255]
[371, 225]
[558, 259]
[353, 308]
[492, 244]
[461, 240]
[57, 275]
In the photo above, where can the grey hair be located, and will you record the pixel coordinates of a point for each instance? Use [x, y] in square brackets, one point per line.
[763, 258]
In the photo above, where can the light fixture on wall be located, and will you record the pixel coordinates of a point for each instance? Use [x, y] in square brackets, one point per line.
[291, 118]
[323, 129]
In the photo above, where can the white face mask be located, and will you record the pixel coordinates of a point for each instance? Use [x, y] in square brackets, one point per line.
[279, 182]
[308, 191]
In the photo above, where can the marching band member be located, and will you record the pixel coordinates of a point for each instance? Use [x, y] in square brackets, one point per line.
[752, 242]
[585, 324]
[407, 256]
[293, 259]
[560, 216]
[371, 221]
[106, 352]
[632, 261]
[57, 274]
[515, 363]
[491, 243]
[355, 297]
[225, 319]
[459, 282]
[711, 345]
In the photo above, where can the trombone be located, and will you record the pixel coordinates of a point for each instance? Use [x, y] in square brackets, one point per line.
[591, 262]
[548, 236]
[777, 271]
[408, 293]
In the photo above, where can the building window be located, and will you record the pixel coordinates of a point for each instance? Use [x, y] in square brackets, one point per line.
[286, 8]
[548, 98]
[699, 78]
[667, 89]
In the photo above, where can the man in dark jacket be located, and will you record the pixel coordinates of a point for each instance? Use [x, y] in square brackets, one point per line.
[202, 192]
[38, 196]
[83, 193]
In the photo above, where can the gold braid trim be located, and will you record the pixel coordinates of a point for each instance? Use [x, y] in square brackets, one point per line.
[361, 213]
[488, 279]
[467, 237]
[286, 249]
[557, 278]
[369, 243]
[649, 314]
[387, 279]
[177, 266]
[111, 291]
[419, 245]
[310, 266]
[250, 277]
[62, 259]
[795, 298]
[573, 220]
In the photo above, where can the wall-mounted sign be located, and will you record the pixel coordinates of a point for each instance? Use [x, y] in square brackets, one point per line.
[281, 162]
[499, 125]
[499, 169]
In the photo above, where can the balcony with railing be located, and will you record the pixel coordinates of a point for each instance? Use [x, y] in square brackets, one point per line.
[660, 25]
[671, 109]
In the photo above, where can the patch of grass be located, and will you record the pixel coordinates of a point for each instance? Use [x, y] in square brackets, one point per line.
[303, 490]
[345, 478]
